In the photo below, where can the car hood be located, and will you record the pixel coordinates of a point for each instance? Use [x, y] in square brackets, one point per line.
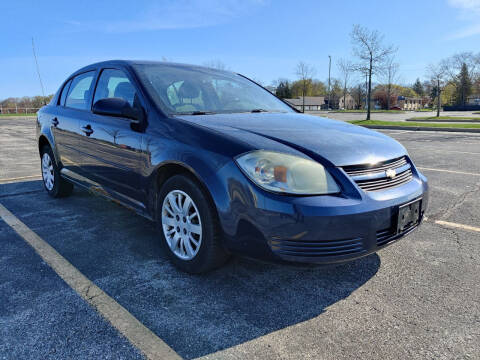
[335, 141]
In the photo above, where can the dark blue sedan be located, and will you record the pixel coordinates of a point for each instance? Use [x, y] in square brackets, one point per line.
[223, 166]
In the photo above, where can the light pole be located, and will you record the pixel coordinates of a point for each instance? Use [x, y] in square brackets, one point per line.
[329, 67]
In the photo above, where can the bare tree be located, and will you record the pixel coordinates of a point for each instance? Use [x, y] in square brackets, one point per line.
[389, 73]
[215, 64]
[454, 63]
[305, 72]
[368, 47]
[346, 69]
[437, 76]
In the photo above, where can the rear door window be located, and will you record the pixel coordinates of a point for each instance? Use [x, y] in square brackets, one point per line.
[80, 91]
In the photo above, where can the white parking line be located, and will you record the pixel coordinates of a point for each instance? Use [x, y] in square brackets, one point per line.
[448, 171]
[455, 225]
[136, 333]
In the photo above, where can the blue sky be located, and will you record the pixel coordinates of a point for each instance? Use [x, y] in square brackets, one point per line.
[263, 39]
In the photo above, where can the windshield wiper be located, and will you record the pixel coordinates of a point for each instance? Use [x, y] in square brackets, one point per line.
[258, 110]
[197, 112]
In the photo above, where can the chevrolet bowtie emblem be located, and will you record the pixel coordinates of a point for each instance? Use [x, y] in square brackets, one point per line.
[391, 173]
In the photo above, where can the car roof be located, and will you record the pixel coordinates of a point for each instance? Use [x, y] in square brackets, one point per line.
[129, 63]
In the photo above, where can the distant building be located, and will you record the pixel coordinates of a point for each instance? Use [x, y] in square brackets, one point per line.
[409, 103]
[349, 102]
[473, 99]
[312, 103]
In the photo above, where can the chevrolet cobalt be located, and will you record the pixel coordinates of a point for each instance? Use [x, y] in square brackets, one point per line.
[223, 166]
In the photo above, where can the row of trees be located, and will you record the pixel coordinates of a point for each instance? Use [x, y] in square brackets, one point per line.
[450, 82]
[20, 104]
[455, 78]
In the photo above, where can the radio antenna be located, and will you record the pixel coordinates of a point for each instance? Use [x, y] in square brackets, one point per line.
[38, 70]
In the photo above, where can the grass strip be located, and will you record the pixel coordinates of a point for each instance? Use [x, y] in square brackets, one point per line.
[417, 124]
[17, 115]
[451, 118]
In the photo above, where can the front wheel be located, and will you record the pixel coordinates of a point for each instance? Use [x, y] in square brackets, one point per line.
[189, 226]
[55, 185]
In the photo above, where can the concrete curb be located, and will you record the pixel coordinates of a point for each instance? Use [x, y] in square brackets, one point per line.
[420, 128]
[445, 121]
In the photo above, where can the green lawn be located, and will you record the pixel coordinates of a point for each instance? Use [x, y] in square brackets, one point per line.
[416, 124]
[23, 114]
[372, 111]
[451, 118]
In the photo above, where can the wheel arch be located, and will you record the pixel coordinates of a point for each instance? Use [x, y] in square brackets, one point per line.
[42, 141]
[165, 171]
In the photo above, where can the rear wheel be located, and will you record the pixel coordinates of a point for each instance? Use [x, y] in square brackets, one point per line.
[189, 227]
[55, 185]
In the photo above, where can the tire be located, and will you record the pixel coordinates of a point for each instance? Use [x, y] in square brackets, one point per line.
[189, 234]
[54, 184]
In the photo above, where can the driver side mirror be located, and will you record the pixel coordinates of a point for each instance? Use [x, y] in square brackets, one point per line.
[118, 107]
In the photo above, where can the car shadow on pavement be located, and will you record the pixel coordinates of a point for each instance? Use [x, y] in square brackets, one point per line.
[195, 315]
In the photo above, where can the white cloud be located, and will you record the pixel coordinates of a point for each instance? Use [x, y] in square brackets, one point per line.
[179, 14]
[465, 4]
[469, 12]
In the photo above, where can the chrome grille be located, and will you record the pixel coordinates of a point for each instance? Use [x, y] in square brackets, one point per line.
[374, 177]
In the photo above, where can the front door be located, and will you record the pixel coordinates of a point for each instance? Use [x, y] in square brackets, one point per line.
[111, 149]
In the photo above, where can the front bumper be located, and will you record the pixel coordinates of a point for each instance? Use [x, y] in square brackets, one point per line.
[315, 229]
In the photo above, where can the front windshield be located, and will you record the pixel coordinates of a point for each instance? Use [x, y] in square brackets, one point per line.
[180, 90]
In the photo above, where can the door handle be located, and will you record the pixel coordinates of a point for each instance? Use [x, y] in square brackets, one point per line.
[87, 130]
[54, 121]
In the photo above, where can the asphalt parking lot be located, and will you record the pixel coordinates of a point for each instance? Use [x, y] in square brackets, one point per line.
[418, 298]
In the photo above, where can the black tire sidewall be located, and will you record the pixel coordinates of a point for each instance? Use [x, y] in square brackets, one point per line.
[200, 262]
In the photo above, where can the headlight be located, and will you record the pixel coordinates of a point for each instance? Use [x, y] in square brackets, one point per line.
[286, 173]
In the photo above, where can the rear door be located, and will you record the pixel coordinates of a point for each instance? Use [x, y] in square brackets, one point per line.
[111, 149]
[72, 106]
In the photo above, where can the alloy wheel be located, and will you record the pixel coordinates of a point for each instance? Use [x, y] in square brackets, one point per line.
[182, 225]
[48, 171]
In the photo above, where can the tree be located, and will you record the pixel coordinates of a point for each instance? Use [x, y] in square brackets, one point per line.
[449, 92]
[318, 88]
[437, 76]
[336, 92]
[305, 73]
[464, 86]
[418, 88]
[283, 90]
[368, 47]
[385, 97]
[453, 64]
[215, 64]
[390, 76]
[358, 94]
[345, 67]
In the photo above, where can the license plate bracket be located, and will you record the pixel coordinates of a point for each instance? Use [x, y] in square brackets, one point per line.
[408, 215]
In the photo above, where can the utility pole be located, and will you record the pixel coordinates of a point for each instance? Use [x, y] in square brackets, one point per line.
[329, 67]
